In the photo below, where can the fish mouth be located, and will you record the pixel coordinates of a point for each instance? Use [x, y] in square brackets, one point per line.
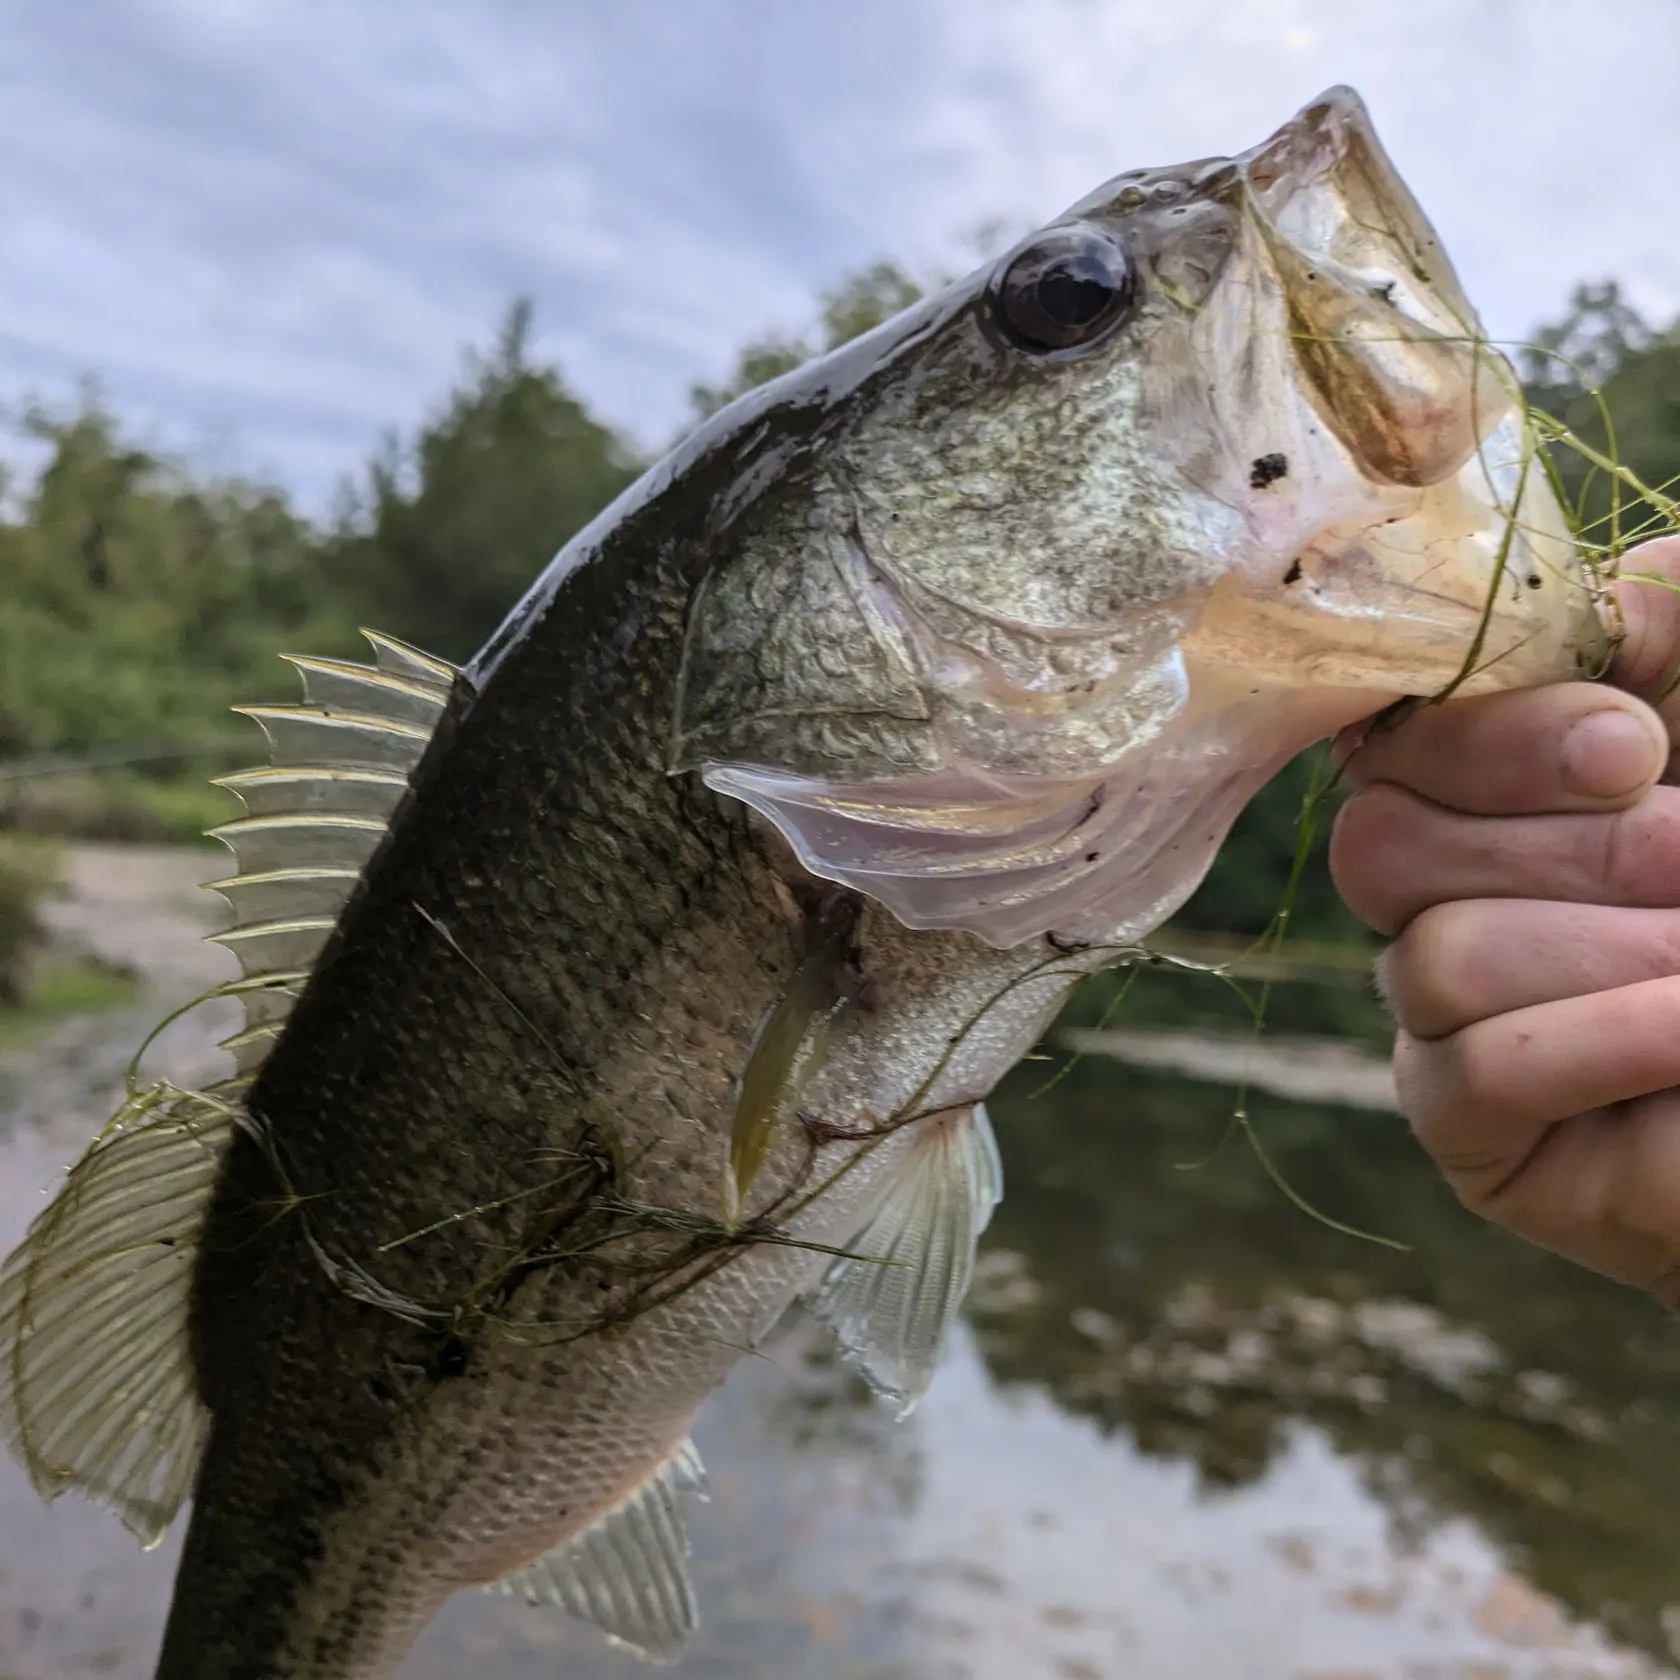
[1392, 354]
[1404, 535]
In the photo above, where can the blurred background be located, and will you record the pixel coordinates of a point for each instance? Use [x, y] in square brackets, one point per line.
[317, 315]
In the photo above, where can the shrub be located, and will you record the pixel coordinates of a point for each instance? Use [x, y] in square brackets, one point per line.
[28, 872]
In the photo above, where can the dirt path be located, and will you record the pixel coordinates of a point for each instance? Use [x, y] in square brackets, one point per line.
[142, 907]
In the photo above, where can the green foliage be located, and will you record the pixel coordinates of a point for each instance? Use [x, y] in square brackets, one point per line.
[448, 534]
[1614, 380]
[67, 983]
[28, 872]
[138, 604]
[142, 803]
[135, 605]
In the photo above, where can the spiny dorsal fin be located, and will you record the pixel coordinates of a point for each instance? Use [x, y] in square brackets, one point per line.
[96, 1383]
[892, 1305]
[340, 765]
[628, 1571]
[96, 1386]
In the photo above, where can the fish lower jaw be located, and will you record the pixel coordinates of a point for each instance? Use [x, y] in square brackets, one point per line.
[1339, 623]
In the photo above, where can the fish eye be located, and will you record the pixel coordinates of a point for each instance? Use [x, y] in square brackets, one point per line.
[1065, 289]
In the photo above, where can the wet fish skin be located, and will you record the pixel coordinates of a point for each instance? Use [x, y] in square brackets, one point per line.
[355, 1475]
[594, 884]
[969, 651]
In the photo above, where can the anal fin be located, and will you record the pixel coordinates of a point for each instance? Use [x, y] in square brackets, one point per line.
[892, 1299]
[628, 1571]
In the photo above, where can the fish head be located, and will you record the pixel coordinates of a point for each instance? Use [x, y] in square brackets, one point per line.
[1077, 553]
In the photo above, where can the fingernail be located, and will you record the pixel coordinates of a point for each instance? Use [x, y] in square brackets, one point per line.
[1610, 753]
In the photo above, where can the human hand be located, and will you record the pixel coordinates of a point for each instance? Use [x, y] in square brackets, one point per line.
[1525, 850]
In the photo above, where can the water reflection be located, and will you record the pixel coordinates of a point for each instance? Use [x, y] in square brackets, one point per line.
[1188, 1432]
[1201, 1314]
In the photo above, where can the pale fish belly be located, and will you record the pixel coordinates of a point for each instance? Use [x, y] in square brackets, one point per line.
[532, 1446]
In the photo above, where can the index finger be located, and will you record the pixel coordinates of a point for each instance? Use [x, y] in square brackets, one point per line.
[1522, 752]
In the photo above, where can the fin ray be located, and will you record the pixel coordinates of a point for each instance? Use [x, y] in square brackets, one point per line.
[276, 892]
[292, 789]
[311, 840]
[97, 1390]
[305, 735]
[402, 660]
[315, 815]
[337, 685]
[628, 1571]
[270, 945]
[891, 1301]
[93, 1321]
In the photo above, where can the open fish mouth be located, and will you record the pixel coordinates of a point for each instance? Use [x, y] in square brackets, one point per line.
[1392, 350]
[1335, 388]
[1128, 572]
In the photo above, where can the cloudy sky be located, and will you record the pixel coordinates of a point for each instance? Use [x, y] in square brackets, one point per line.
[269, 226]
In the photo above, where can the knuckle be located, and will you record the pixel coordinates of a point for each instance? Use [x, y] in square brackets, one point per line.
[1646, 849]
[1602, 855]
[1363, 863]
[1632, 857]
[1454, 1091]
[1483, 1191]
[1488, 1184]
[1428, 974]
[1481, 1075]
[1424, 1083]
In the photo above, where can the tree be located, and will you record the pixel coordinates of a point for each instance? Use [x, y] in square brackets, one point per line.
[859, 303]
[137, 605]
[449, 532]
[1614, 380]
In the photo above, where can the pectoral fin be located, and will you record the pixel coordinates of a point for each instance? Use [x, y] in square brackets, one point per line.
[788, 1052]
[628, 1571]
[892, 1300]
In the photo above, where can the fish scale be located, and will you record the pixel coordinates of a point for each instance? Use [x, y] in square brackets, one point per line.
[609, 996]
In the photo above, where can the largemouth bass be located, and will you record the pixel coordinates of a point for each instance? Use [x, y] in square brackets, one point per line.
[609, 995]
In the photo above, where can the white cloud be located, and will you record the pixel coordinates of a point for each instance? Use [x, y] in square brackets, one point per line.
[278, 222]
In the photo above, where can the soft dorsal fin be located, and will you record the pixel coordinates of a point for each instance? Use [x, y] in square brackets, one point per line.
[628, 1571]
[96, 1390]
[892, 1300]
[340, 765]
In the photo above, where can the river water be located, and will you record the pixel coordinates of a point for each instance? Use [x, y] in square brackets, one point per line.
[1189, 1431]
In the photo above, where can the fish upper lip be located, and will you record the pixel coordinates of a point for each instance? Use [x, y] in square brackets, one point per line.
[1389, 346]
[1332, 135]
[1310, 144]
